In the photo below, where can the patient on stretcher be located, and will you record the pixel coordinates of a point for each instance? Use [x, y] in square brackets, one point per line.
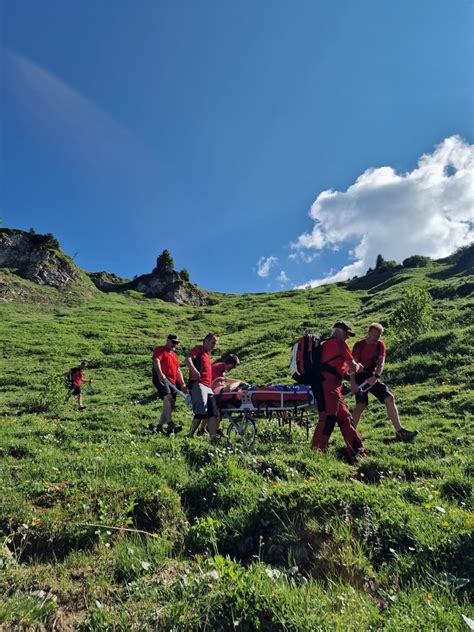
[220, 382]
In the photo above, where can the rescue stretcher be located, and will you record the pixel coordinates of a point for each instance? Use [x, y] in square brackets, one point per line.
[288, 404]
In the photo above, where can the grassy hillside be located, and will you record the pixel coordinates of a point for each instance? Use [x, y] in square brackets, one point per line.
[104, 526]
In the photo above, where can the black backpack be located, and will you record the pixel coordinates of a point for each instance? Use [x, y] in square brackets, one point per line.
[305, 364]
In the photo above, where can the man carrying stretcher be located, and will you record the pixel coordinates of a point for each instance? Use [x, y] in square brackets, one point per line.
[335, 358]
[370, 352]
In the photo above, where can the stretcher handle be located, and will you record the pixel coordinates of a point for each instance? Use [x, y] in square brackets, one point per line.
[365, 386]
[186, 398]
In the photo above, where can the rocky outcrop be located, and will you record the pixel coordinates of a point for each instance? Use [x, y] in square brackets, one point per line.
[108, 281]
[39, 259]
[163, 282]
[170, 287]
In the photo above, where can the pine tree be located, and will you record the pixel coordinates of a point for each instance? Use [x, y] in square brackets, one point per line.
[165, 262]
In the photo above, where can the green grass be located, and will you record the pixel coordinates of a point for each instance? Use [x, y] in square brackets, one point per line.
[106, 527]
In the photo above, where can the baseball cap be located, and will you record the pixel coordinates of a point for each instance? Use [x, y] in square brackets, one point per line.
[173, 338]
[344, 326]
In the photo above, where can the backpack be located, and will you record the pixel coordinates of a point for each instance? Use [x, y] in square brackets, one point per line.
[305, 364]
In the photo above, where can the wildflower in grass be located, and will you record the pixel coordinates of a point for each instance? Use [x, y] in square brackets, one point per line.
[445, 525]
[361, 474]
[428, 506]
[429, 597]
[436, 492]
[33, 523]
[155, 536]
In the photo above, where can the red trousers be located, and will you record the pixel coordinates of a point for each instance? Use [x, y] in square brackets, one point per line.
[332, 409]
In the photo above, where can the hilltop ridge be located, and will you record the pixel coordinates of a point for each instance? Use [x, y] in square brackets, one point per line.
[40, 260]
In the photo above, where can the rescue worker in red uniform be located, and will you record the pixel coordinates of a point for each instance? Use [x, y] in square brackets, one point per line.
[370, 352]
[166, 371]
[200, 380]
[336, 358]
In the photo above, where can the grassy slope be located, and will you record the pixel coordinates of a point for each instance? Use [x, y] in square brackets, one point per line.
[274, 538]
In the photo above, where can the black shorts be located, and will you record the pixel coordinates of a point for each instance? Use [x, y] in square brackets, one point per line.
[162, 388]
[74, 390]
[378, 390]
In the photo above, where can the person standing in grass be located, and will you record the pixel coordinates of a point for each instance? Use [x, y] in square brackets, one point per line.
[74, 380]
[222, 384]
[200, 379]
[166, 370]
[371, 352]
[335, 358]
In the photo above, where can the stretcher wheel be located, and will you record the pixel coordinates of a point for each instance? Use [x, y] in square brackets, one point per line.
[241, 432]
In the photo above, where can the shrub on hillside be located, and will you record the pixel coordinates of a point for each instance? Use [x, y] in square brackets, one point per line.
[50, 400]
[416, 261]
[184, 274]
[412, 315]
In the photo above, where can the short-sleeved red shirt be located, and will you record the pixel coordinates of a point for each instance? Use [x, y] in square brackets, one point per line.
[335, 353]
[202, 361]
[365, 352]
[218, 370]
[77, 376]
[169, 362]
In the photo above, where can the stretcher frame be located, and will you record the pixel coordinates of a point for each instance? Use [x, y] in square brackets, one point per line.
[296, 411]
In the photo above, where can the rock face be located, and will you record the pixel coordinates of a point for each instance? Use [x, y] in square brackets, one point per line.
[163, 282]
[38, 259]
[108, 281]
[170, 287]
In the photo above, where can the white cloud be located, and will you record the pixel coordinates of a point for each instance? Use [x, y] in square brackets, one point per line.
[428, 211]
[265, 264]
[282, 277]
[300, 256]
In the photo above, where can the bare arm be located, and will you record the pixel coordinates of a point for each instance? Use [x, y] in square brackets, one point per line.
[193, 372]
[181, 381]
[380, 364]
[159, 372]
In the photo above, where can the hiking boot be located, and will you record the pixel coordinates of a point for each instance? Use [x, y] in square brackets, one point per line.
[158, 429]
[360, 454]
[173, 429]
[405, 435]
[81, 408]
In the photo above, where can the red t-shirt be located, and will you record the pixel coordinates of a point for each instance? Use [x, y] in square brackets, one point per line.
[218, 370]
[202, 361]
[334, 347]
[169, 362]
[365, 353]
[77, 376]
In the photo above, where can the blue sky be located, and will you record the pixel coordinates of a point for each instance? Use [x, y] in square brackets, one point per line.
[211, 128]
